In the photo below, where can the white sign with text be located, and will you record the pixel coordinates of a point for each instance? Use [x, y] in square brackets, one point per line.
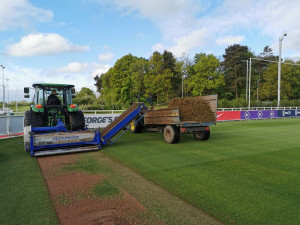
[99, 120]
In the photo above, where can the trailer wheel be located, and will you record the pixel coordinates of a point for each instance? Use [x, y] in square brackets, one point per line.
[136, 127]
[77, 121]
[202, 135]
[33, 119]
[171, 134]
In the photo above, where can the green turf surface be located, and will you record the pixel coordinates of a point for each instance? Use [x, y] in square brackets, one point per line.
[246, 173]
[24, 197]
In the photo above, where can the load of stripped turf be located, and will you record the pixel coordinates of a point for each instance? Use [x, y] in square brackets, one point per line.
[193, 109]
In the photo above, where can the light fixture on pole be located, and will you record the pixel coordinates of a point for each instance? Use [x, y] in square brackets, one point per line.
[279, 67]
[3, 103]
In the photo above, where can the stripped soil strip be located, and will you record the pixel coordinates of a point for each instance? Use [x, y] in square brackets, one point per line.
[75, 203]
[141, 202]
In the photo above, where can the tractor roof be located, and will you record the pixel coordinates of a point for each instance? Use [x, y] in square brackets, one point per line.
[47, 85]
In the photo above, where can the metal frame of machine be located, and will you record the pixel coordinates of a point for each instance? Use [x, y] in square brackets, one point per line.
[41, 141]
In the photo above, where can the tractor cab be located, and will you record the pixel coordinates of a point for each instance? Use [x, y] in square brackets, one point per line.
[43, 93]
[53, 102]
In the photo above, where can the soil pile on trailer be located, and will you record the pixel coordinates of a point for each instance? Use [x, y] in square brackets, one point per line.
[193, 109]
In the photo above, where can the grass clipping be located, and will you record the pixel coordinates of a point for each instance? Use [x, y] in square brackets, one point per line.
[193, 109]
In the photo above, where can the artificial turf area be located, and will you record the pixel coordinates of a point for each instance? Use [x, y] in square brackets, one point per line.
[246, 173]
[24, 197]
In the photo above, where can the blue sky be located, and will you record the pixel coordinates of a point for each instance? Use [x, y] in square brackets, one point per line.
[70, 41]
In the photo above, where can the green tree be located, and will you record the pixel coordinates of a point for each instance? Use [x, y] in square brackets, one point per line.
[234, 68]
[184, 66]
[290, 82]
[124, 82]
[85, 97]
[139, 70]
[163, 79]
[206, 77]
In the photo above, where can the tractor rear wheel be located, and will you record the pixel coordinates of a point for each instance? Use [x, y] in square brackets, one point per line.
[171, 134]
[33, 119]
[136, 127]
[77, 121]
[202, 135]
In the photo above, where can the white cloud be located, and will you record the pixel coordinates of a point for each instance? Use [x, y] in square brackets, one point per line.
[189, 42]
[74, 67]
[230, 40]
[43, 44]
[158, 47]
[21, 13]
[173, 18]
[88, 68]
[226, 24]
[105, 56]
[83, 77]
[157, 9]
[262, 18]
[101, 70]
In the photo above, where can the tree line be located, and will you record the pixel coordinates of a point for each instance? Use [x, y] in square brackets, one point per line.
[163, 77]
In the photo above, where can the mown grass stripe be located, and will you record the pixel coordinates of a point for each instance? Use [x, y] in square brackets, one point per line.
[247, 173]
[24, 197]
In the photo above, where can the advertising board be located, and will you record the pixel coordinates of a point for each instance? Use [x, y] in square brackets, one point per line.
[288, 113]
[258, 114]
[99, 120]
[228, 115]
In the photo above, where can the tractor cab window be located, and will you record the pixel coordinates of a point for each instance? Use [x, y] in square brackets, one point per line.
[39, 96]
[54, 96]
[68, 96]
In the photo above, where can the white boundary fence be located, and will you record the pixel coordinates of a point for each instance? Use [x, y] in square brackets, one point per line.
[12, 124]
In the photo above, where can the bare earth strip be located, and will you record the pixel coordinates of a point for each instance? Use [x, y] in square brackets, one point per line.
[141, 202]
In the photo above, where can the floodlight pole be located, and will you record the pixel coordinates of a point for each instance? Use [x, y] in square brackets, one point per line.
[249, 83]
[182, 87]
[279, 67]
[7, 79]
[16, 99]
[3, 103]
[247, 61]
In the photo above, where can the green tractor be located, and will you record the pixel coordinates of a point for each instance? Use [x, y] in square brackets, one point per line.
[53, 103]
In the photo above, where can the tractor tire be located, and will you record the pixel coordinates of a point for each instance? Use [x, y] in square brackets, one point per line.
[171, 134]
[202, 135]
[136, 127]
[33, 119]
[76, 121]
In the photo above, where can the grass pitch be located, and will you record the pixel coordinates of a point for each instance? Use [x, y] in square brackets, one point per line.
[246, 173]
[24, 197]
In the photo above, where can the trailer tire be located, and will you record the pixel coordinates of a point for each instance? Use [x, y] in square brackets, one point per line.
[77, 121]
[171, 134]
[136, 127]
[33, 119]
[202, 135]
